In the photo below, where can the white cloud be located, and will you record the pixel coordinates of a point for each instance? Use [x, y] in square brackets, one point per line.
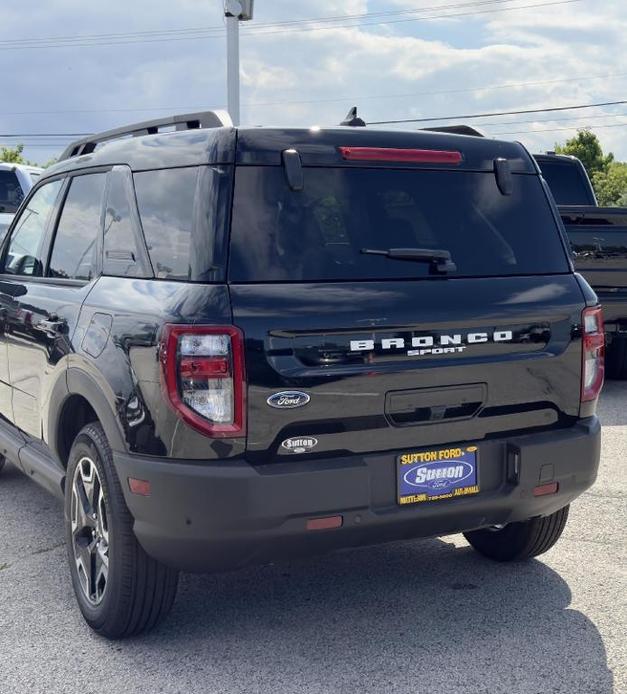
[409, 69]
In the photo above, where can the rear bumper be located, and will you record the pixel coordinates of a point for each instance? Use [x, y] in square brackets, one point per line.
[217, 516]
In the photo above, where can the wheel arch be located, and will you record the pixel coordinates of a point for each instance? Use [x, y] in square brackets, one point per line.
[80, 402]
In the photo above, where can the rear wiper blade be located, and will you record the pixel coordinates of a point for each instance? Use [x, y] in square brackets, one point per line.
[439, 260]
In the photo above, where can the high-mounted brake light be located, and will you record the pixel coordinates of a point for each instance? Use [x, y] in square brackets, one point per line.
[593, 354]
[409, 156]
[204, 377]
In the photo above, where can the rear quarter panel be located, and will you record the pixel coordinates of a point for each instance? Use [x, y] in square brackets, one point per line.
[117, 345]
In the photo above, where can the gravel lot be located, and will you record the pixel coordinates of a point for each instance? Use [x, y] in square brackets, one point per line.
[428, 616]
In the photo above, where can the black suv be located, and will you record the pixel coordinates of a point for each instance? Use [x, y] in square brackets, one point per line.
[225, 346]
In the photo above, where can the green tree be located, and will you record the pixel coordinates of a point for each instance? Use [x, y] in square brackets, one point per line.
[586, 147]
[611, 185]
[13, 155]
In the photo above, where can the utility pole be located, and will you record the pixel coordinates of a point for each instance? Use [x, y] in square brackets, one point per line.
[235, 11]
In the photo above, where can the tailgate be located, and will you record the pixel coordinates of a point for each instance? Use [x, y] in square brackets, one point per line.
[390, 365]
[598, 237]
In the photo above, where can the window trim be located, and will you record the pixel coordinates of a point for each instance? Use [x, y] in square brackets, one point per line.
[46, 235]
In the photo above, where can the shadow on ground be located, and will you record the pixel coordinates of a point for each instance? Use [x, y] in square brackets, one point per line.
[425, 616]
[422, 617]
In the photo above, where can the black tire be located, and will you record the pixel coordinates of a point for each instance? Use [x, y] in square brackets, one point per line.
[616, 359]
[137, 591]
[3, 462]
[520, 541]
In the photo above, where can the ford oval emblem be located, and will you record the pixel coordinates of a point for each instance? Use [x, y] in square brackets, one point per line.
[288, 399]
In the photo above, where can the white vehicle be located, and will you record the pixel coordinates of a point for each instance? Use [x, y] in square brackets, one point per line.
[15, 182]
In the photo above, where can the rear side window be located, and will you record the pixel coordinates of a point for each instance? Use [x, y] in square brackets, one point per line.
[11, 193]
[123, 248]
[75, 250]
[184, 214]
[24, 255]
[318, 234]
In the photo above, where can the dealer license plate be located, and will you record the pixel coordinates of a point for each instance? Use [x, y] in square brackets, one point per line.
[437, 474]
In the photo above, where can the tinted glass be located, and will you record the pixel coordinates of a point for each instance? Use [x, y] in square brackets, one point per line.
[319, 233]
[24, 253]
[75, 251]
[11, 193]
[184, 213]
[567, 183]
[122, 252]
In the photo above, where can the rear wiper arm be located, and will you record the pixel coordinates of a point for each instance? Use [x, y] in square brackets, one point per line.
[439, 260]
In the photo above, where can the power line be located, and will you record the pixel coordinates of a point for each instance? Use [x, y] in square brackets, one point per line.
[554, 130]
[29, 145]
[45, 134]
[491, 115]
[266, 25]
[434, 92]
[509, 85]
[552, 120]
[262, 31]
[582, 124]
[53, 145]
[432, 119]
[422, 19]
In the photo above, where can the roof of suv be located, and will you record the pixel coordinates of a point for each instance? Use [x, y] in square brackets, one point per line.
[8, 166]
[264, 146]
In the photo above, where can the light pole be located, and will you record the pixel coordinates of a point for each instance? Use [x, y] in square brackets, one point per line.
[235, 11]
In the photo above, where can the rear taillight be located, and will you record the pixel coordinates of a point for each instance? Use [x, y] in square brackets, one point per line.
[593, 360]
[203, 369]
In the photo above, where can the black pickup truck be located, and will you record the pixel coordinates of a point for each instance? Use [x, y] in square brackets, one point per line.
[598, 236]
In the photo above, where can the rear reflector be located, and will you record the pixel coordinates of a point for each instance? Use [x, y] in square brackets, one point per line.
[325, 523]
[139, 487]
[593, 354]
[546, 489]
[411, 156]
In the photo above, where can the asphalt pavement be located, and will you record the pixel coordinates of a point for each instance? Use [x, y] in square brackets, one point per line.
[428, 617]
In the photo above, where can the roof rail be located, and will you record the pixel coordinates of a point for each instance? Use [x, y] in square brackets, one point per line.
[186, 121]
[457, 130]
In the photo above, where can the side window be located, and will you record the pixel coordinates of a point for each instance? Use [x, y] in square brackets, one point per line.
[25, 247]
[75, 250]
[124, 255]
[185, 214]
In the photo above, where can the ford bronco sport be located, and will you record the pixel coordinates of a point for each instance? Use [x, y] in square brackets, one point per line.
[226, 346]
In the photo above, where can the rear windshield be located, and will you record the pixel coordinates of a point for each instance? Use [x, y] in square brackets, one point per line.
[11, 193]
[318, 233]
[567, 182]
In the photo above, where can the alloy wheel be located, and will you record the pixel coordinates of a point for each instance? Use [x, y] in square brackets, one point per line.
[90, 531]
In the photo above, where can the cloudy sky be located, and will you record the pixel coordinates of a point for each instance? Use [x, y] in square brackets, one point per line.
[70, 66]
